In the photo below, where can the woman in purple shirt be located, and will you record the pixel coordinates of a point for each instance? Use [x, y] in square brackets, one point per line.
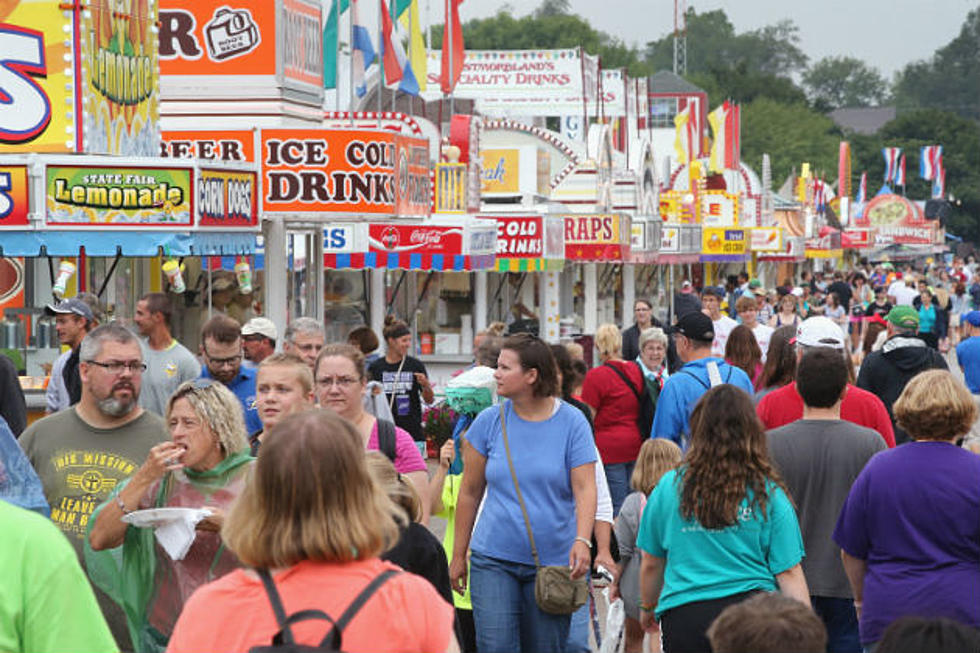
[909, 531]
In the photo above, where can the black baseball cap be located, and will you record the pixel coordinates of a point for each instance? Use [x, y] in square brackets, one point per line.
[696, 326]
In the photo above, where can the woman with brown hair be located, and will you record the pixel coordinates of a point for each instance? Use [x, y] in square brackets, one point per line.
[717, 529]
[780, 366]
[742, 351]
[314, 520]
[909, 531]
[546, 444]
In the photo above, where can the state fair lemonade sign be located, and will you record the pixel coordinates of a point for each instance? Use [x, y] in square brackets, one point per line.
[147, 197]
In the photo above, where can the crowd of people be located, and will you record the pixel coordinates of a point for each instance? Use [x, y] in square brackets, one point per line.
[790, 469]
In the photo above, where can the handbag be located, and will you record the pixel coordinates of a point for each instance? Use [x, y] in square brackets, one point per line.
[555, 591]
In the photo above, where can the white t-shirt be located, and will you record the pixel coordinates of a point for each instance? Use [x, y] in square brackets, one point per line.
[762, 334]
[722, 326]
[904, 296]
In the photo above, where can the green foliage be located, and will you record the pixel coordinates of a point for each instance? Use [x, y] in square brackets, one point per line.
[950, 80]
[835, 82]
[790, 134]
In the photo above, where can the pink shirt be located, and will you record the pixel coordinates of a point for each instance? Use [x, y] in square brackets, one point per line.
[407, 456]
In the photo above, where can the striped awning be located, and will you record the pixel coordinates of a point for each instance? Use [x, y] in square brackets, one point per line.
[406, 261]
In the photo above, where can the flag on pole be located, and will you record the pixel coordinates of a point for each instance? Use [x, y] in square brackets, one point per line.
[900, 172]
[416, 44]
[891, 155]
[396, 65]
[721, 157]
[820, 195]
[862, 193]
[930, 160]
[363, 51]
[452, 48]
[939, 182]
[844, 169]
[685, 139]
[330, 44]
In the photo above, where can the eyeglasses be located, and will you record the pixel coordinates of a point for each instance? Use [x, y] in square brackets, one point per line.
[231, 361]
[342, 382]
[116, 367]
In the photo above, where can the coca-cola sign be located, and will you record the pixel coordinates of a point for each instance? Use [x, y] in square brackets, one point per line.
[415, 239]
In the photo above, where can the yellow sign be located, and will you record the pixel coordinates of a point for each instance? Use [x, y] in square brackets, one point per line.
[718, 241]
[501, 171]
[41, 101]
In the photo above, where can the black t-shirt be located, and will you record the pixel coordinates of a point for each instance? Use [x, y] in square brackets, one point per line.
[878, 309]
[407, 405]
[419, 552]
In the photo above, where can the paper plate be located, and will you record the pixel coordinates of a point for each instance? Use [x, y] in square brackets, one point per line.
[161, 516]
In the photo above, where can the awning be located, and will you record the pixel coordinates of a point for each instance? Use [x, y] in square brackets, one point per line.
[396, 261]
[125, 243]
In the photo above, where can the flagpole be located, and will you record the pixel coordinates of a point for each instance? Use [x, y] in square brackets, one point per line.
[350, 107]
[585, 101]
[381, 60]
[452, 70]
[394, 35]
[336, 63]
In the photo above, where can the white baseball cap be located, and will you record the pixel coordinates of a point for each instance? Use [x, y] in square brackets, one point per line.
[261, 326]
[820, 332]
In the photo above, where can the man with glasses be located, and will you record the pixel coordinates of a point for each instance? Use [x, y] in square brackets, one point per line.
[82, 453]
[221, 349]
[304, 338]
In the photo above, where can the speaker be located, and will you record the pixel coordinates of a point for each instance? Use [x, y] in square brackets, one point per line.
[938, 210]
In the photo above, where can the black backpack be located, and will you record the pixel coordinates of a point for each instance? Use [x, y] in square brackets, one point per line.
[647, 402]
[387, 439]
[283, 641]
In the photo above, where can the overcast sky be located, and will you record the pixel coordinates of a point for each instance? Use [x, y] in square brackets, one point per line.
[885, 33]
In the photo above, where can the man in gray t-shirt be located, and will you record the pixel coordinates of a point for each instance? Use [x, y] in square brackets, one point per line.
[168, 363]
[819, 457]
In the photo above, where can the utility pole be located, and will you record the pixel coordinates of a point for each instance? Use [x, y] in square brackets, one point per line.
[680, 37]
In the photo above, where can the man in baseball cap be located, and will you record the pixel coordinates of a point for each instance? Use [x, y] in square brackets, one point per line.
[693, 336]
[968, 356]
[258, 340]
[711, 298]
[73, 319]
[904, 354]
[781, 406]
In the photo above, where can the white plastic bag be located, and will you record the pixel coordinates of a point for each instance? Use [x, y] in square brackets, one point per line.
[615, 621]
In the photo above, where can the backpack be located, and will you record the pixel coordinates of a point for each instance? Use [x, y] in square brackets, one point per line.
[387, 439]
[648, 403]
[283, 641]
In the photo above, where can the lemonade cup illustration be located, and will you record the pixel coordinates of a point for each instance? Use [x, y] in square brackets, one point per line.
[173, 270]
[65, 271]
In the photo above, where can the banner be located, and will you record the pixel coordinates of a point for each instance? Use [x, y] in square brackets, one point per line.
[515, 82]
[613, 93]
[227, 198]
[501, 171]
[603, 237]
[720, 244]
[211, 145]
[14, 198]
[766, 239]
[520, 236]
[719, 209]
[81, 196]
[349, 171]
[899, 220]
[38, 113]
[122, 96]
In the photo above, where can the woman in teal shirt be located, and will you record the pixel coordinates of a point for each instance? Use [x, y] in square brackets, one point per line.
[717, 529]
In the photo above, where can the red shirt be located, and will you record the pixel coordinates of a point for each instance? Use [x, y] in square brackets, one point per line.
[616, 410]
[785, 405]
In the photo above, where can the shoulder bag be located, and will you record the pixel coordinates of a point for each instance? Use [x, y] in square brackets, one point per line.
[555, 591]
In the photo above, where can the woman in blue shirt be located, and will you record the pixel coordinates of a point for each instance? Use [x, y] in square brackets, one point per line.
[717, 529]
[554, 460]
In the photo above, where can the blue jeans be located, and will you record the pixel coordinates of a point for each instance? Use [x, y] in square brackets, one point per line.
[506, 616]
[840, 619]
[578, 629]
[618, 477]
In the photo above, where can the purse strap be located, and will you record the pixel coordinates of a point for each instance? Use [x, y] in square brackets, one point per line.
[517, 487]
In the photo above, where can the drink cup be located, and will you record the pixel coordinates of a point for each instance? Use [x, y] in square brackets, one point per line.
[175, 278]
[65, 271]
[244, 273]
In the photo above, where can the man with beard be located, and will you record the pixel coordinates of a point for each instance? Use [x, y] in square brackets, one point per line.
[221, 349]
[82, 453]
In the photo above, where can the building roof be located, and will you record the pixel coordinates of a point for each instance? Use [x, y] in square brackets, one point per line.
[664, 81]
[862, 120]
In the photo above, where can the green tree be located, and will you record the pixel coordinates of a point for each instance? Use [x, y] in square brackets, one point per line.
[835, 82]
[950, 80]
[790, 134]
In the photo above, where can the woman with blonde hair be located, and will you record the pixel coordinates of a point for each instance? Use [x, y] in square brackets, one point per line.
[657, 457]
[909, 531]
[612, 391]
[312, 523]
[417, 549]
[204, 465]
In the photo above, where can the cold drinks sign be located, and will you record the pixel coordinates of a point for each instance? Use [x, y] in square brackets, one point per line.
[347, 171]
